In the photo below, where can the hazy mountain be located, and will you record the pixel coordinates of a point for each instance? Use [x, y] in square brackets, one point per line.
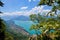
[21, 18]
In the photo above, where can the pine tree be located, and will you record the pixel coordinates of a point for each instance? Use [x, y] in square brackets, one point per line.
[2, 26]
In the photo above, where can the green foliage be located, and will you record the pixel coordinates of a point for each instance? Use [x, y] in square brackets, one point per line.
[8, 36]
[15, 36]
[45, 25]
[54, 3]
[2, 25]
[1, 4]
[36, 18]
[48, 2]
[2, 29]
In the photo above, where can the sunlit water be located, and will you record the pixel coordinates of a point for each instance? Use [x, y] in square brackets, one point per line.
[26, 25]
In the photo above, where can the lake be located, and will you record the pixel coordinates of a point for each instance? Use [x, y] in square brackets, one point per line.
[26, 25]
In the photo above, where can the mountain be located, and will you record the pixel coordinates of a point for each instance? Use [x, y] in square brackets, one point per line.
[14, 32]
[12, 28]
[21, 18]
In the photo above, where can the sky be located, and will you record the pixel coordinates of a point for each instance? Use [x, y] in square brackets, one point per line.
[22, 7]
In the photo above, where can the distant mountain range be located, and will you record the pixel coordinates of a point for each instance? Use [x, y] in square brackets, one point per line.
[21, 18]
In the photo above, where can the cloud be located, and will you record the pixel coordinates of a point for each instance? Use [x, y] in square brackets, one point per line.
[29, 0]
[35, 10]
[33, 0]
[39, 9]
[25, 7]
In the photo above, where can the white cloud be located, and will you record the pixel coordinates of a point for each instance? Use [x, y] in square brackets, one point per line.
[35, 10]
[11, 13]
[25, 7]
[29, 0]
[33, 0]
[39, 9]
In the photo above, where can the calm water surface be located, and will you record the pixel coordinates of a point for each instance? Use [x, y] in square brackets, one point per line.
[26, 25]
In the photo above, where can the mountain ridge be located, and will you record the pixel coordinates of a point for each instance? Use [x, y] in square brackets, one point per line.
[21, 18]
[15, 28]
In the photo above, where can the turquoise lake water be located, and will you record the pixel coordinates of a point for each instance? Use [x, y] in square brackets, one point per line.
[26, 25]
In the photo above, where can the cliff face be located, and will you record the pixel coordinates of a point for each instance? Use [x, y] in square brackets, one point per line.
[15, 29]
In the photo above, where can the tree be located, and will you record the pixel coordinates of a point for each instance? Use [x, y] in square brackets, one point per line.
[54, 3]
[1, 4]
[2, 26]
[45, 25]
[55, 6]
[2, 29]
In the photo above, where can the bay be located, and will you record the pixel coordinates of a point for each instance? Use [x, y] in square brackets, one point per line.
[25, 25]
